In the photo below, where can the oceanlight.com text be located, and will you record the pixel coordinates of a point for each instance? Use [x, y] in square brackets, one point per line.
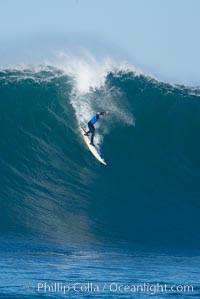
[111, 287]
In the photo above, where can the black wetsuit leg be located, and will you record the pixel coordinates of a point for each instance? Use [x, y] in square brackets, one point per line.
[91, 130]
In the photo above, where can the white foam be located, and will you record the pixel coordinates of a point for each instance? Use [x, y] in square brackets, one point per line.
[87, 71]
[89, 74]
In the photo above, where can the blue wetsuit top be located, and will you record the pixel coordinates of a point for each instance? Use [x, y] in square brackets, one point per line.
[96, 118]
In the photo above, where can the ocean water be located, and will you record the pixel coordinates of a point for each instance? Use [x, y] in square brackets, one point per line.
[68, 221]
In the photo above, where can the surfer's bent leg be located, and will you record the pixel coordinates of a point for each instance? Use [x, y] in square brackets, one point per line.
[92, 131]
[89, 129]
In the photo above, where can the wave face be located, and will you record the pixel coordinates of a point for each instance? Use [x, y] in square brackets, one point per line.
[52, 187]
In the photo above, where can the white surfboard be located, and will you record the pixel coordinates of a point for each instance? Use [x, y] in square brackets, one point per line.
[94, 150]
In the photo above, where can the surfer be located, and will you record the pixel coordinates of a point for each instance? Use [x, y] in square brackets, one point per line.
[91, 123]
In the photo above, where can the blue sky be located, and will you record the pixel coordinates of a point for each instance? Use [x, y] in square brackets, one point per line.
[161, 37]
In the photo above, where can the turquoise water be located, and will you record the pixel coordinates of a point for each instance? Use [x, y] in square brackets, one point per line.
[65, 217]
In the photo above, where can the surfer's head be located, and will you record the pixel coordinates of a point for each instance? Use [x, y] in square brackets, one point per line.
[101, 114]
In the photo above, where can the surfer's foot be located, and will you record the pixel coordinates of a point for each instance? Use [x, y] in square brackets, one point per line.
[86, 134]
[92, 143]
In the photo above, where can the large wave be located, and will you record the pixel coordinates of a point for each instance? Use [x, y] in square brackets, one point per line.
[52, 187]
